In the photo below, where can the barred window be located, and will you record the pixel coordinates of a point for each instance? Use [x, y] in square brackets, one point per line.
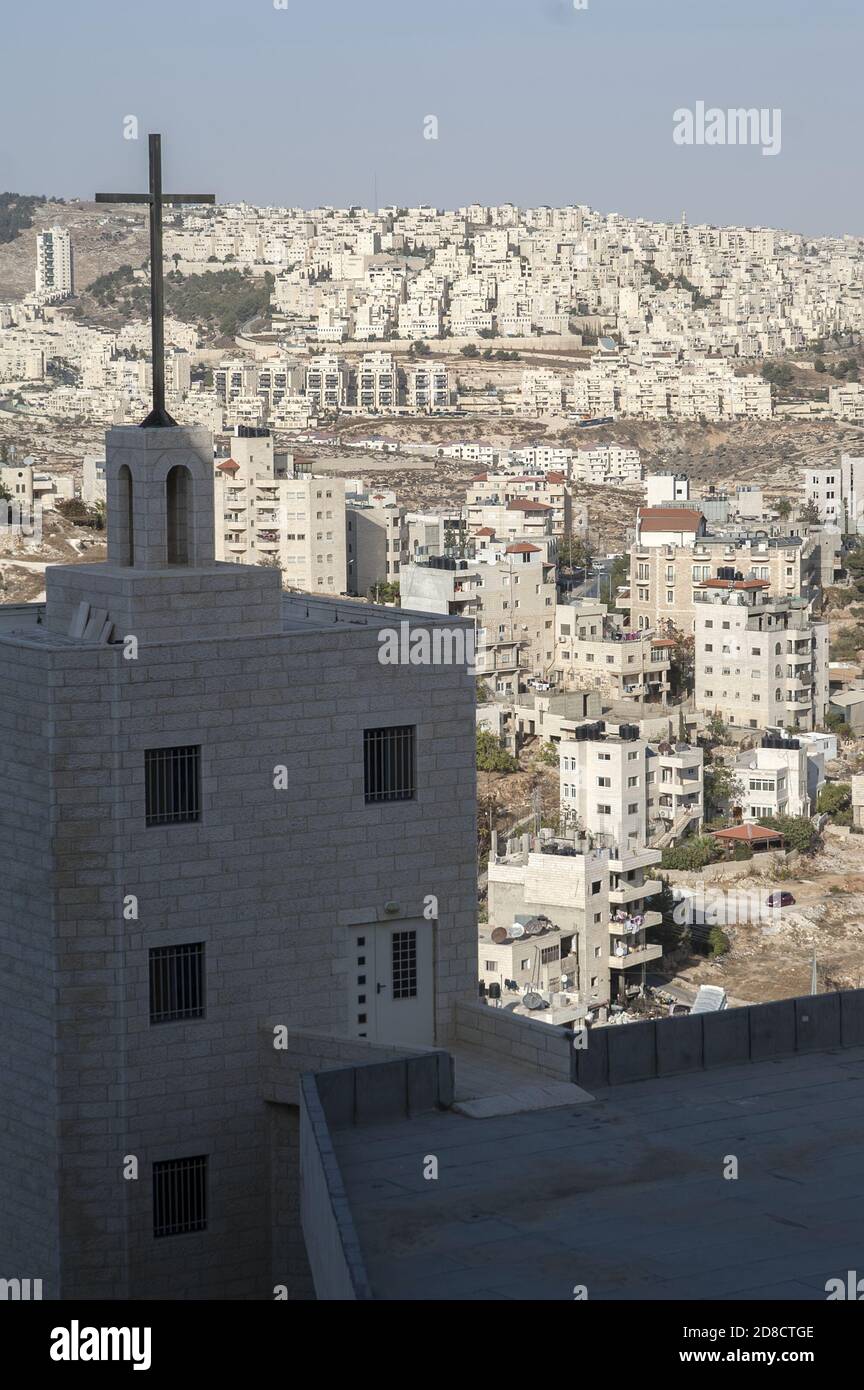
[172, 778]
[176, 982]
[389, 763]
[405, 965]
[180, 1196]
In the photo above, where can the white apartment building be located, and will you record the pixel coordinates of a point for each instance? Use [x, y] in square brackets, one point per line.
[663, 489]
[846, 402]
[543, 392]
[609, 463]
[29, 485]
[377, 385]
[626, 791]
[837, 492]
[428, 387]
[271, 512]
[55, 276]
[760, 660]
[593, 651]
[780, 778]
[327, 382]
[512, 603]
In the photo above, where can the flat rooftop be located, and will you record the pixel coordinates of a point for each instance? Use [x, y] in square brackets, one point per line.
[624, 1194]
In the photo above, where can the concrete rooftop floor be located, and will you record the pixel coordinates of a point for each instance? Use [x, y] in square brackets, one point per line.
[625, 1194]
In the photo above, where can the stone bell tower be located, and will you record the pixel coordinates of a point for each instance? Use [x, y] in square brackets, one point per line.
[161, 581]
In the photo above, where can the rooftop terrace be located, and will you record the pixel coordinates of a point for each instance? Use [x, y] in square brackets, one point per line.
[624, 1194]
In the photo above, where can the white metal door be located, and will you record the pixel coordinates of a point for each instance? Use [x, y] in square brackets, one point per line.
[392, 983]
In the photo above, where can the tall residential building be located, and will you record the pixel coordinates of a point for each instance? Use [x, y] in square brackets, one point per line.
[55, 277]
[593, 651]
[512, 603]
[270, 511]
[664, 579]
[760, 660]
[231, 853]
[837, 492]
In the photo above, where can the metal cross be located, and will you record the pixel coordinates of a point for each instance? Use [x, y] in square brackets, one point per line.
[158, 416]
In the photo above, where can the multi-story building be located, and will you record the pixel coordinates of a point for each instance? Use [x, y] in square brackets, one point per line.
[271, 511]
[626, 791]
[548, 930]
[543, 392]
[609, 463]
[377, 387]
[779, 778]
[428, 387]
[760, 660]
[55, 275]
[377, 543]
[837, 492]
[327, 381]
[187, 922]
[512, 602]
[664, 578]
[593, 650]
[550, 495]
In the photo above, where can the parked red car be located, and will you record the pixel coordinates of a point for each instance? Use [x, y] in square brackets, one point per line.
[781, 900]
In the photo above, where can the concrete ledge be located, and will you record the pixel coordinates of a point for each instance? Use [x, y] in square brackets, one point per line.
[680, 1045]
[772, 1029]
[632, 1052]
[332, 1245]
[852, 1017]
[817, 1022]
[725, 1038]
[591, 1063]
[378, 1091]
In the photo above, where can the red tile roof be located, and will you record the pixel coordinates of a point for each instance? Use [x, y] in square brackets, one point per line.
[522, 548]
[228, 466]
[670, 519]
[486, 531]
[523, 504]
[748, 833]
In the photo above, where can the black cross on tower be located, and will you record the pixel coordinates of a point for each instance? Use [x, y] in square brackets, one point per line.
[155, 198]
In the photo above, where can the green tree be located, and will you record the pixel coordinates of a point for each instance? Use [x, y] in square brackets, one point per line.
[783, 508]
[819, 365]
[835, 800]
[672, 934]
[492, 756]
[723, 788]
[809, 514]
[799, 832]
[718, 942]
[692, 854]
[549, 755]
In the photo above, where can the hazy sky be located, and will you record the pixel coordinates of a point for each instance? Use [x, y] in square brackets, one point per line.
[537, 102]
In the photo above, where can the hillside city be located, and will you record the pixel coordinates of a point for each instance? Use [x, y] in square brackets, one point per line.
[600, 483]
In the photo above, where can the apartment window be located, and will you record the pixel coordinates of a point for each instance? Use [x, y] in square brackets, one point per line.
[525, 965]
[632, 781]
[598, 917]
[404, 948]
[389, 763]
[180, 1196]
[176, 982]
[596, 952]
[631, 757]
[709, 622]
[604, 781]
[633, 808]
[709, 647]
[172, 779]
[492, 966]
[595, 887]
[548, 955]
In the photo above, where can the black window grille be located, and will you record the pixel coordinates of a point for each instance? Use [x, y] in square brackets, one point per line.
[173, 785]
[180, 1196]
[389, 763]
[176, 982]
[405, 965]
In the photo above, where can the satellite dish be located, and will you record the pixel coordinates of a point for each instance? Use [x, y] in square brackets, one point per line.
[516, 931]
[499, 935]
[534, 928]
